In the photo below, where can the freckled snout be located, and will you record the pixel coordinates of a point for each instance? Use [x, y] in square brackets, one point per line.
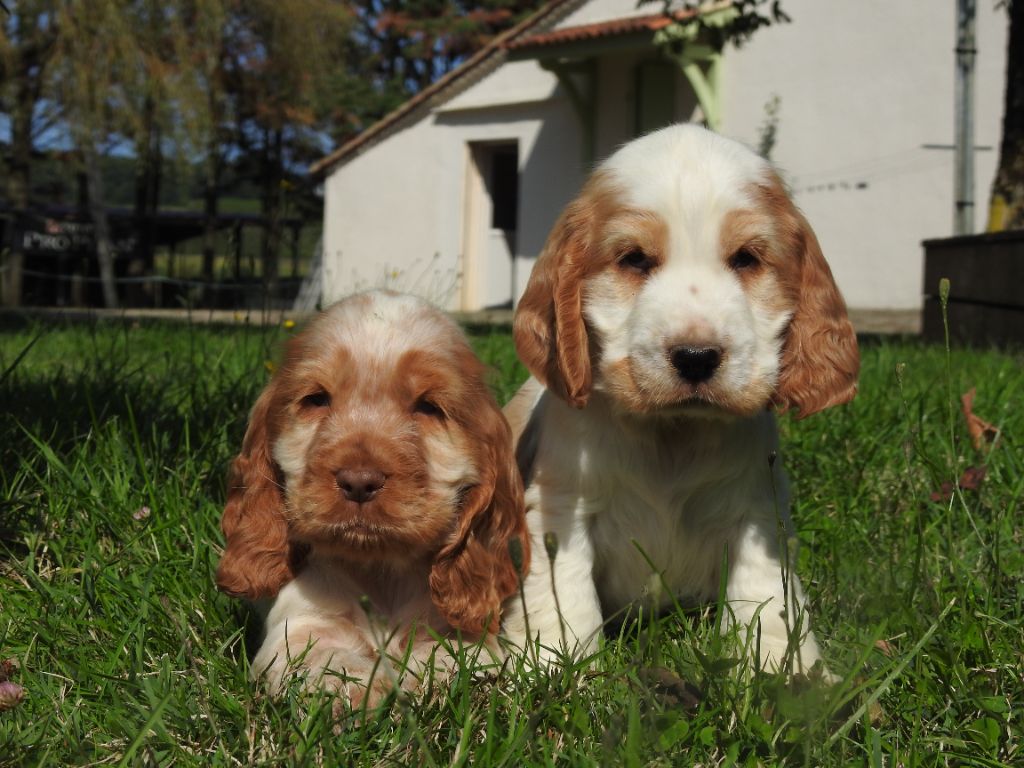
[360, 485]
[695, 363]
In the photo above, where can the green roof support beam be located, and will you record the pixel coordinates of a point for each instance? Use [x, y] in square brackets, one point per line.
[699, 62]
[705, 85]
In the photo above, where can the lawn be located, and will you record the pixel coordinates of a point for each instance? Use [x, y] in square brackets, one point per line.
[114, 440]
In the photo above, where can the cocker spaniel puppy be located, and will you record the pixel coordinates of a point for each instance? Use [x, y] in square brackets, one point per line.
[678, 300]
[374, 500]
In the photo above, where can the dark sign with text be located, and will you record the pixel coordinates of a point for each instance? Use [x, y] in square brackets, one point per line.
[52, 236]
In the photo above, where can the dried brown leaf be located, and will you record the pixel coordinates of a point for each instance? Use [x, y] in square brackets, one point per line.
[970, 480]
[979, 429]
[675, 690]
[885, 647]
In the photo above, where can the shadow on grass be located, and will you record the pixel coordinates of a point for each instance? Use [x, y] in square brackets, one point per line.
[143, 400]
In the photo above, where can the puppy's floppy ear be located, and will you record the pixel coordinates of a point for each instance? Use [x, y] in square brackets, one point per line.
[549, 332]
[474, 573]
[258, 559]
[820, 359]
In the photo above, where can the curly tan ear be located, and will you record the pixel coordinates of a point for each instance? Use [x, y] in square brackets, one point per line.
[473, 574]
[257, 559]
[820, 360]
[549, 331]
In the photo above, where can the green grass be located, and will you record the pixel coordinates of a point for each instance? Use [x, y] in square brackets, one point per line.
[129, 655]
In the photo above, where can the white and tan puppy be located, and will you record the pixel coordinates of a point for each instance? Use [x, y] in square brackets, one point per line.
[678, 300]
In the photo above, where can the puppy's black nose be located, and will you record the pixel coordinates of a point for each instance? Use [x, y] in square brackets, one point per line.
[695, 364]
[360, 485]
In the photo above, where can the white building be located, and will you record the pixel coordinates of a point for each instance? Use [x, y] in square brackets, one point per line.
[452, 195]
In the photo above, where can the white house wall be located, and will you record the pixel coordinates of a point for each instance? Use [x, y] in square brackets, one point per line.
[862, 85]
[394, 215]
[548, 176]
[381, 220]
[515, 82]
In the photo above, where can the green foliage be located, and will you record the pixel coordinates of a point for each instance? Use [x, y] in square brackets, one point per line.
[114, 440]
[739, 22]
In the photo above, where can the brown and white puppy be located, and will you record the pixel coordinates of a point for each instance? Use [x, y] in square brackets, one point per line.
[376, 466]
[678, 299]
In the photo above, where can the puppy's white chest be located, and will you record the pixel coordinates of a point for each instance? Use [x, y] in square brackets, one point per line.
[660, 510]
[652, 543]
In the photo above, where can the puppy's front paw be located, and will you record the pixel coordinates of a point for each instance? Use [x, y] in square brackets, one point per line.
[357, 694]
[775, 654]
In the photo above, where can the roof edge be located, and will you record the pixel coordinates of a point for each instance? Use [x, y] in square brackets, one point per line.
[496, 49]
[650, 23]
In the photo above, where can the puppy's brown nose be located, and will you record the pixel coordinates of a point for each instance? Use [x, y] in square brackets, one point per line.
[359, 485]
[695, 364]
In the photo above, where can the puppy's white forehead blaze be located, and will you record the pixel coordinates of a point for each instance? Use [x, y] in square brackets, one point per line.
[687, 175]
[384, 326]
[374, 332]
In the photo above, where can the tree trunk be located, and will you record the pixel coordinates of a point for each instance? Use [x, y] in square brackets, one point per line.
[1006, 210]
[147, 179]
[211, 188]
[155, 184]
[273, 173]
[36, 36]
[26, 94]
[211, 184]
[98, 214]
[18, 186]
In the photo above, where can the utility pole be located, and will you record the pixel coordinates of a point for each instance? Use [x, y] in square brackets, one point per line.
[963, 173]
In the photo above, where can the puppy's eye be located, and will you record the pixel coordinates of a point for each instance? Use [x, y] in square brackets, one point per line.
[316, 400]
[743, 259]
[636, 261]
[427, 407]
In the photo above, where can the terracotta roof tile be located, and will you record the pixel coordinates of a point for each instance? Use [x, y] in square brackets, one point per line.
[611, 28]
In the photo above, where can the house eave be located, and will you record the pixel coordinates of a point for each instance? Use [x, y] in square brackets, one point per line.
[583, 49]
[478, 66]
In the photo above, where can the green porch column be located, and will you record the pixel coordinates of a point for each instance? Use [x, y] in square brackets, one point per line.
[699, 62]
